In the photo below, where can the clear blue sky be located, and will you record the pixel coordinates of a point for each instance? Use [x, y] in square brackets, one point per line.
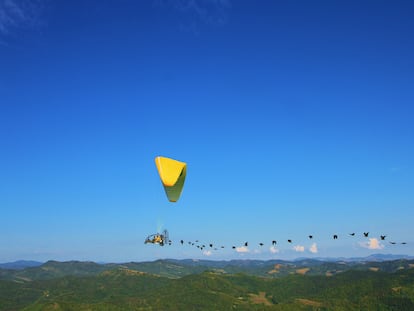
[294, 117]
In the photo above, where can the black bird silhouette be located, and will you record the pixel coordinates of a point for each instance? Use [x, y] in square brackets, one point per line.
[245, 244]
[393, 242]
[222, 247]
[352, 234]
[233, 247]
[335, 236]
[290, 241]
[366, 234]
[182, 242]
[383, 237]
[261, 244]
[274, 242]
[404, 243]
[311, 237]
[211, 245]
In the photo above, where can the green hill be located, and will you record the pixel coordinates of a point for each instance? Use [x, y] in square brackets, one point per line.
[122, 288]
[179, 268]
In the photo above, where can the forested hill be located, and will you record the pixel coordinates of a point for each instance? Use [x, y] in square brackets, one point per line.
[178, 268]
[124, 288]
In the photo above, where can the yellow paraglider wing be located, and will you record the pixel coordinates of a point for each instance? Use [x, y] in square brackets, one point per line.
[172, 174]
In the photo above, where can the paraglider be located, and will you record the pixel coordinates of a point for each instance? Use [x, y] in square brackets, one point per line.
[158, 238]
[172, 174]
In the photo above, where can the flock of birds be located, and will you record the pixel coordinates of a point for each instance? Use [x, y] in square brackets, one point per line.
[212, 246]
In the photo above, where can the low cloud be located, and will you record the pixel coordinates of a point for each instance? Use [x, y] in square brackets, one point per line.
[373, 243]
[273, 250]
[313, 248]
[299, 248]
[242, 249]
[207, 253]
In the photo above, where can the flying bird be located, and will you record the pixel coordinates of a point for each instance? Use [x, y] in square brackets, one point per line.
[311, 237]
[352, 234]
[335, 236]
[274, 242]
[261, 244]
[290, 241]
[366, 234]
[383, 237]
[245, 244]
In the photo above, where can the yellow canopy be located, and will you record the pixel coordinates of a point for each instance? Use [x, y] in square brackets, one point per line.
[172, 174]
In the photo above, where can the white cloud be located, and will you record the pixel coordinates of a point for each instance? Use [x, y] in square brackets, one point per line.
[15, 14]
[313, 248]
[273, 250]
[299, 248]
[193, 13]
[373, 243]
[207, 253]
[242, 249]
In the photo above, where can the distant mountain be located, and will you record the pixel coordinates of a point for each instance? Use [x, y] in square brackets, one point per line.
[373, 257]
[175, 269]
[20, 264]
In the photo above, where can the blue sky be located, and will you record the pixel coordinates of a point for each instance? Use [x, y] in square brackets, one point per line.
[294, 118]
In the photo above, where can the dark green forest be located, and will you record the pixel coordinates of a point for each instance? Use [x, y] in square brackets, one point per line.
[210, 286]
